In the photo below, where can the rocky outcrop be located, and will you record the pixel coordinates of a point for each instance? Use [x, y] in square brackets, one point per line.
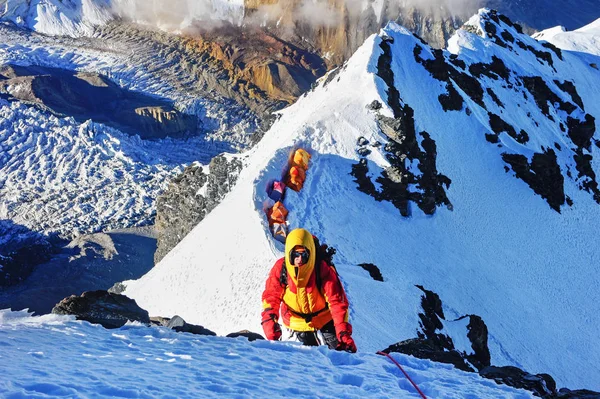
[102, 307]
[401, 182]
[92, 96]
[190, 197]
[542, 385]
[437, 346]
[178, 324]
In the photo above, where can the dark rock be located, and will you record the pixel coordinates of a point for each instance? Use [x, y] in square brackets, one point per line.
[495, 70]
[363, 152]
[452, 101]
[499, 125]
[569, 87]
[331, 76]
[375, 105]
[552, 47]
[443, 71]
[494, 97]
[362, 141]
[586, 176]
[543, 95]
[178, 324]
[507, 36]
[478, 335]
[426, 349]
[565, 393]
[543, 175]
[373, 270]
[360, 173]
[183, 205]
[581, 132]
[492, 138]
[540, 384]
[101, 307]
[432, 316]
[246, 333]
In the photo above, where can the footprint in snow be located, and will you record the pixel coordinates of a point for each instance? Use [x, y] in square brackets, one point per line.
[349, 379]
[338, 358]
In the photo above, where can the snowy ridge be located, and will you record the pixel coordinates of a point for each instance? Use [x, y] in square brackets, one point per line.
[503, 253]
[126, 363]
[584, 40]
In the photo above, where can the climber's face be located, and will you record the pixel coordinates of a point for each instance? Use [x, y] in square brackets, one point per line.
[299, 256]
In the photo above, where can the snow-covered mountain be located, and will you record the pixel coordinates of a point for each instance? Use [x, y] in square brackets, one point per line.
[57, 17]
[471, 172]
[56, 356]
[583, 40]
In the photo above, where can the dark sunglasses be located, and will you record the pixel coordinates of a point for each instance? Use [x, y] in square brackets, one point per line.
[304, 255]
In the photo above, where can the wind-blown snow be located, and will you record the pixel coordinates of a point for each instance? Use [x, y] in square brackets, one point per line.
[55, 356]
[502, 253]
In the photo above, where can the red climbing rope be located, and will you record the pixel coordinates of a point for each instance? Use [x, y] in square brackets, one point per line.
[404, 372]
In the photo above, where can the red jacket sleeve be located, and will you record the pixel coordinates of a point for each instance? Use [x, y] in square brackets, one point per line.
[335, 295]
[273, 293]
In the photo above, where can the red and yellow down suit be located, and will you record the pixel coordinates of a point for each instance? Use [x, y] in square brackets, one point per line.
[301, 296]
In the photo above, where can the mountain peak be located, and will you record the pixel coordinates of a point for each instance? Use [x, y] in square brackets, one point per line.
[456, 170]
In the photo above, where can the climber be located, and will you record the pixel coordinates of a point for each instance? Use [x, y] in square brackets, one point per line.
[310, 296]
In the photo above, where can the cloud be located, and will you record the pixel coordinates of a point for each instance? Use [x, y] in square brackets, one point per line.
[178, 15]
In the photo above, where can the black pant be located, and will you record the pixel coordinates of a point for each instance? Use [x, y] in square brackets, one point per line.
[309, 338]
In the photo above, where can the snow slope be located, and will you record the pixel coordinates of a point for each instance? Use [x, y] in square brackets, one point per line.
[55, 356]
[530, 272]
[584, 40]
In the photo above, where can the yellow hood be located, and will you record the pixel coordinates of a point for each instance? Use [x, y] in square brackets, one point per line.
[304, 238]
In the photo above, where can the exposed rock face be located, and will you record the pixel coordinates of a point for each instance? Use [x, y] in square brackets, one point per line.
[433, 345]
[249, 66]
[92, 96]
[401, 182]
[190, 197]
[540, 384]
[101, 307]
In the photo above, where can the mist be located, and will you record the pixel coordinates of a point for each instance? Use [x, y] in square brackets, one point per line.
[178, 15]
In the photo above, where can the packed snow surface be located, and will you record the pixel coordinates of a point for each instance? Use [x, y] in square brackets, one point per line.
[502, 253]
[55, 356]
